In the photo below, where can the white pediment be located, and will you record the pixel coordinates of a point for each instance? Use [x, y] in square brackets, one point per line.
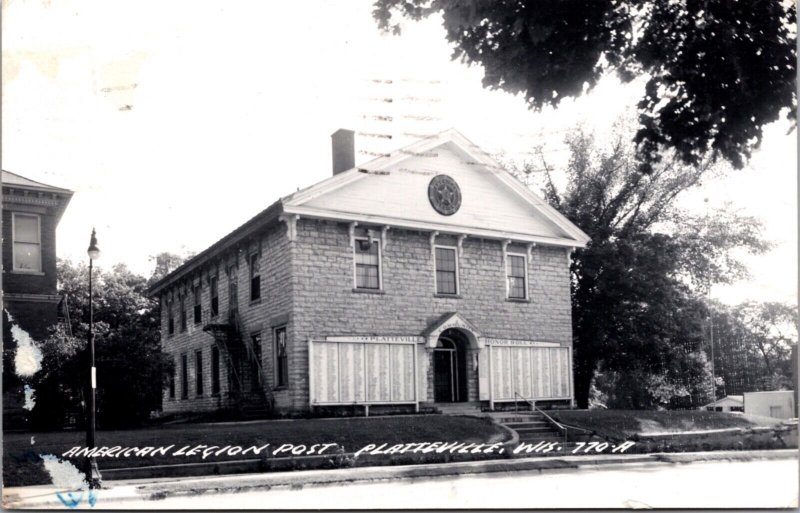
[393, 190]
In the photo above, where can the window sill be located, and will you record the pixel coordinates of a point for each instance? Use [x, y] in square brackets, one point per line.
[254, 302]
[29, 273]
[280, 388]
[369, 291]
[448, 296]
[517, 300]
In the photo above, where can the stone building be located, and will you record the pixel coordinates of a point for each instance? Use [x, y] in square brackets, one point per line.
[429, 275]
[31, 212]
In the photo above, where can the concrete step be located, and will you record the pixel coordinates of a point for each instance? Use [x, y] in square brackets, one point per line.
[534, 423]
[537, 429]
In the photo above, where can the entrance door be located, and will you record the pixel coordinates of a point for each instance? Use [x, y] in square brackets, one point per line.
[449, 371]
[444, 370]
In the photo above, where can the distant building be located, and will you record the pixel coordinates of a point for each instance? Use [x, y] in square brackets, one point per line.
[731, 403]
[778, 404]
[31, 212]
[429, 275]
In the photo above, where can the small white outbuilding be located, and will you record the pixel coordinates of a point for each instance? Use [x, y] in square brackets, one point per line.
[778, 404]
[729, 403]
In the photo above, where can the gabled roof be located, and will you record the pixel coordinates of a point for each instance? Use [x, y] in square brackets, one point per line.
[737, 399]
[392, 190]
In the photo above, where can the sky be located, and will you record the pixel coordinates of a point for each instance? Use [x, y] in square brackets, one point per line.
[175, 122]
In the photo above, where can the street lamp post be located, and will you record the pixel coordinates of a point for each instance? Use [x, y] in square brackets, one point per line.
[92, 472]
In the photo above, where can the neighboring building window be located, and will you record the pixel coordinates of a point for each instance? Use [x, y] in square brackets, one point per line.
[517, 277]
[255, 278]
[184, 377]
[26, 232]
[172, 382]
[281, 361]
[214, 296]
[170, 318]
[446, 271]
[256, 363]
[368, 263]
[183, 313]
[198, 375]
[737, 408]
[198, 304]
[215, 370]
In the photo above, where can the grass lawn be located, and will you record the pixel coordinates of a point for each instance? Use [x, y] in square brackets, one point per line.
[623, 424]
[22, 463]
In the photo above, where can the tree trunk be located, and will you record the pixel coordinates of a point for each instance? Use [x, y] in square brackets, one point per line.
[584, 373]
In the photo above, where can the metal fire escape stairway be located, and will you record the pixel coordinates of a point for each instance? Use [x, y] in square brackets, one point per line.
[240, 354]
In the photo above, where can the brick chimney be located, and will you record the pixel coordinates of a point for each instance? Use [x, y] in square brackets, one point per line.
[343, 150]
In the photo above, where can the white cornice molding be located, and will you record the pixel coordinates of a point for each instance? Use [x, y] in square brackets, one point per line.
[410, 224]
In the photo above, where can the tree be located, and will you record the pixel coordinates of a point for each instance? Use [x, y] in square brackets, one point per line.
[131, 369]
[636, 287]
[717, 71]
[753, 345]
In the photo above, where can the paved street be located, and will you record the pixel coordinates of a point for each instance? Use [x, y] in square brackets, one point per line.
[721, 484]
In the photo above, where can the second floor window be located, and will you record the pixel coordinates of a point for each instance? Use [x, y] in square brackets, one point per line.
[214, 296]
[368, 264]
[198, 304]
[517, 277]
[446, 271]
[255, 278]
[183, 313]
[170, 318]
[27, 242]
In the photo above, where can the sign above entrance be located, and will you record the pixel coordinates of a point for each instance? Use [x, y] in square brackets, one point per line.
[399, 339]
[510, 342]
[453, 320]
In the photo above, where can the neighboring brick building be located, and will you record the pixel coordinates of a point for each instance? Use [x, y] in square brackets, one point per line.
[426, 276]
[31, 212]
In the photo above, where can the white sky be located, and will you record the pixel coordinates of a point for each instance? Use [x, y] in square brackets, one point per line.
[175, 122]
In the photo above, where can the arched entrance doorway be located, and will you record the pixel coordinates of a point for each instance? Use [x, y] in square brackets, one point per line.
[450, 368]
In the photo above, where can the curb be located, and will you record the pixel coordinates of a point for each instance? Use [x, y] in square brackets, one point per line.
[121, 491]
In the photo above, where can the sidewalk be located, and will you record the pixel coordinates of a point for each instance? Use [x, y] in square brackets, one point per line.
[116, 493]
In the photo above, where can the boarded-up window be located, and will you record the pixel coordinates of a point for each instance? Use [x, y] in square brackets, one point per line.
[363, 372]
[530, 372]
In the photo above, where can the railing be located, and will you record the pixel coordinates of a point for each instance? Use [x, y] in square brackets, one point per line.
[535, 408]
[564, 428]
